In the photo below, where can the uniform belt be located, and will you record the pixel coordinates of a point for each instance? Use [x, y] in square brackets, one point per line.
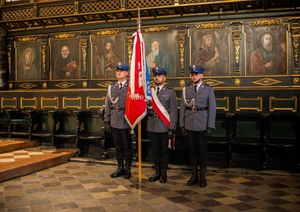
[155, 116]
[118, 108]
[194, 109]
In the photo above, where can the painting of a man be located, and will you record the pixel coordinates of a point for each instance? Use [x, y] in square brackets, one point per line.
[208, 55]
[106, 63]
[159, 58]
[65, 65]
[210, 50]
[27, 69]
[267, 59]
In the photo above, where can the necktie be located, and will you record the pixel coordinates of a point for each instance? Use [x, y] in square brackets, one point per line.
[195, 87]
[121, 85]
[157, 90]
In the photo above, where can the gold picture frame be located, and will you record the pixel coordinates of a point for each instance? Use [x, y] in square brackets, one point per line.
[28, 59]
[65, 52]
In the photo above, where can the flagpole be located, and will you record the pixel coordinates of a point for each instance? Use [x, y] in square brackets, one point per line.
[138, 90]
[139, 20]
[140, 151]
[139, 124]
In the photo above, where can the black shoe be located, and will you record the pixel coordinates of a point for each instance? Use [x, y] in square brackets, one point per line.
[192, 181]
[154, 177]
[163, 178]
[117, 173]
[127, 174]
[202, 183]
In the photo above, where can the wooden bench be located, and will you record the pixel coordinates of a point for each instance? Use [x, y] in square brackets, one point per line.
[90, 131]
[42, 125]
[20, 123]
[282, 140]
[247, 144]
[4, 124]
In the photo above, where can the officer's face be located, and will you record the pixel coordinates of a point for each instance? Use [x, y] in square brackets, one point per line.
[121, 74]
[196, 77]
[159, 79]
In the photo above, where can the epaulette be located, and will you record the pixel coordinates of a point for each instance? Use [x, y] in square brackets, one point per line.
[170, 88]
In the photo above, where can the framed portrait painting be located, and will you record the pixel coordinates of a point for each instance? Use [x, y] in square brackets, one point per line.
[65, 58]
[266, 52]
[107, 51]
[160, 50]
[210, 50]
[28, 60]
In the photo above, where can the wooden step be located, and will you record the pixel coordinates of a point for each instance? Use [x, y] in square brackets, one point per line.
[13, 144]
[24, 161]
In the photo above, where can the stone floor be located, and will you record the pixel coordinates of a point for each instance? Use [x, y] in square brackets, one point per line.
[85, 185]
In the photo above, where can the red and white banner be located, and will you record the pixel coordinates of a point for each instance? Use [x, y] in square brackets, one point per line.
[136, 107]
[159, 109]
[163, 115]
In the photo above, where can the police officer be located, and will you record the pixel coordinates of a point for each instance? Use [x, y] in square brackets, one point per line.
[115, 122]
[197, 120]
[161, 124]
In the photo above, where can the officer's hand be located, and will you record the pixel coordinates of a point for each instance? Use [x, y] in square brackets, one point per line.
[183, 131]
[171, 134]
[107, 127]
[208, 132]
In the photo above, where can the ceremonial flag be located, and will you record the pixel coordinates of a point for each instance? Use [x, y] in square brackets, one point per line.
[139, 86]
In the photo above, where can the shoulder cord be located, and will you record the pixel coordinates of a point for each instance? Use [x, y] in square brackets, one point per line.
[192, 103]
[109, 95]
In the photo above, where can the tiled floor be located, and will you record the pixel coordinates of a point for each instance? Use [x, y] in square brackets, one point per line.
[82, 186]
